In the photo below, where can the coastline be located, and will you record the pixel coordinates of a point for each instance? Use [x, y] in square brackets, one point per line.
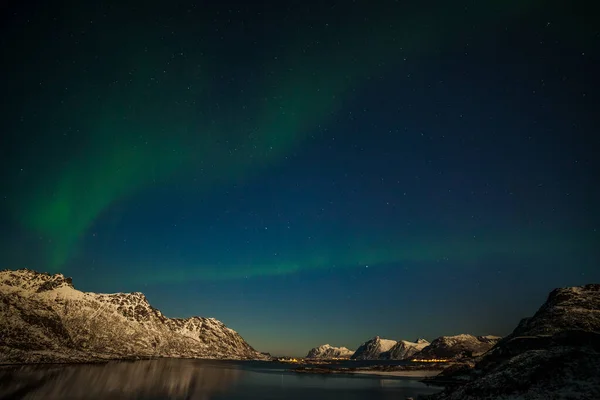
[423, 373]
[400, 371]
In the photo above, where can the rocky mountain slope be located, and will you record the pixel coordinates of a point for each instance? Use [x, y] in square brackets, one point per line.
[446, 347]
[553, 355]
[572, 308]
[404, 349]
[326, 351]
[372, 349]
[43, 318]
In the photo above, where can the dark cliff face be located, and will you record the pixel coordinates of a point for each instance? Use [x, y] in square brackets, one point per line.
[554, 354]
[44, 319]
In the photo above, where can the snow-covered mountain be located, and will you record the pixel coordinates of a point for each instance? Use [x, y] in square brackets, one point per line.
[404, 349]
[327, 351]
[43, 318]
[372, 349]
[446, 347]
[553, 355]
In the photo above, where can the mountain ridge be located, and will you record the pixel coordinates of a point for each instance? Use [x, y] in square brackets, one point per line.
[448, 347]
[45, 319]
[373, 348]
[403, 349]
[326, 351]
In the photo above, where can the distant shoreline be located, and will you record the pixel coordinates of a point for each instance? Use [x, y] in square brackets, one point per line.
[422, 373]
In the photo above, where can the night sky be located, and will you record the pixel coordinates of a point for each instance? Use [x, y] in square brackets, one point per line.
[306, 173]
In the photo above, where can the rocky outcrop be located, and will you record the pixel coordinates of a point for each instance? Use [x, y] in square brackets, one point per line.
[404, 349]
[448, 347]
[43, 318]
[553, 355]
[328, 352]
[373, 349]
[572, 308]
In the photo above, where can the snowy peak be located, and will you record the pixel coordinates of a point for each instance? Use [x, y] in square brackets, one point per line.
[26, 280]
[327, 351]
[404, 349]
[372, 349]
[446, 347]
[44, 318]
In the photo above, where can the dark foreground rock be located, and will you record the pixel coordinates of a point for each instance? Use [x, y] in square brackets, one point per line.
[553, 355]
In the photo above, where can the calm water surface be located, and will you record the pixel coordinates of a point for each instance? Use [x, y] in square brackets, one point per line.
[195, 379]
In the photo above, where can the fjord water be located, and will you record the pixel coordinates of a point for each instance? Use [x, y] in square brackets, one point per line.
[194, 379]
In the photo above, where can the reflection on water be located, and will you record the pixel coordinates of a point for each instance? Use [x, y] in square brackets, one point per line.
[167, 378]
[192, 379]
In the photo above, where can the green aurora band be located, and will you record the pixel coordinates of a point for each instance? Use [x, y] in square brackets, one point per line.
[472, 254]
[129, 148]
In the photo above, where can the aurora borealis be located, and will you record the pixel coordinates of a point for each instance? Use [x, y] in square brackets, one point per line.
[287, 164]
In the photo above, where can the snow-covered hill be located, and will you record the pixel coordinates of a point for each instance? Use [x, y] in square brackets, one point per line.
[404, 349]
[372, 349]
[43, 318]
[553, 355]
[446, 347]
[328, 352]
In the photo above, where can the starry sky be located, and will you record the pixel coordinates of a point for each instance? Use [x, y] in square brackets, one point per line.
[306, 172]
